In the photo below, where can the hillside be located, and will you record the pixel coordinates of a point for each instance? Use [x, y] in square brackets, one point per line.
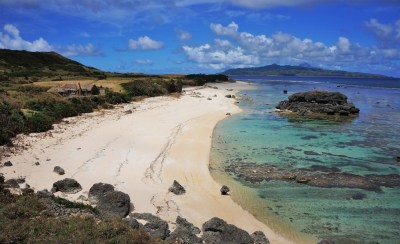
[301, 70]
[41, 65]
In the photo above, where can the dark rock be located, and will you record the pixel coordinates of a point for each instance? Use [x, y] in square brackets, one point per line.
[37, 163]
[114, 204]
[20, 180]
[224, 190]
[259, 238]
[177, 188]
[133, 223]
[224, 233]
[59, 170]
[155, 227]
[303, 180]
[44, 194]
[11, 183]
[228, 114]
[284, 91]
[358, 196]
[98, 190]
[398, 158]
[8, 164]
[318, 102]
[185, 232]
[27, 191]
[1, 179]
[311, 153]
[129, 111]
[67, 185]
[228, 96]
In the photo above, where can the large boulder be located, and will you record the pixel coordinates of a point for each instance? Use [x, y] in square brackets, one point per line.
[185, 232]
[177, 188]
[67, 185]
[11, 183]
[318, 102]
[155, 227]
[217, 230]
[114, 204]
[44, 194]
[98, 190]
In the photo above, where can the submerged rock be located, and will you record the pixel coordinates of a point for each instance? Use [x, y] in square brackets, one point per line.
[67, 185]
[177, 188]
[318, 102]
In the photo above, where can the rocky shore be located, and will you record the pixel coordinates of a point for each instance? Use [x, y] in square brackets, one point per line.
[317, 176]
[313, 103]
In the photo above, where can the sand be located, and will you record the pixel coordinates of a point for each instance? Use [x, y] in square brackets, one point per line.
[141, 148]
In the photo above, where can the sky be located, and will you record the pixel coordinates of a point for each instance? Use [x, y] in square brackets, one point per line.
[208, 36]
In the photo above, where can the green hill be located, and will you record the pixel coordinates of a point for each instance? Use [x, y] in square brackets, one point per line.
[301, 70]
[50, 65]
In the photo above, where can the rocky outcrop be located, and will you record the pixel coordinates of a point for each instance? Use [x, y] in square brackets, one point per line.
[1, 178]
[67, 185]
[59, 170]
[177, 188]
[224, 190]
[44, 194]
[257, 173]
[133, 223]
[185, 233]
[318, 102]
[259, 238]
[110, 203]
[217, 230]
[11, 183]
[155, 227]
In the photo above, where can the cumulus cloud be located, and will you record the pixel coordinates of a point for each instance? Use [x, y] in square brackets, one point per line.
[183, 35]
[243, 49]
[11, 39]
[144, 43]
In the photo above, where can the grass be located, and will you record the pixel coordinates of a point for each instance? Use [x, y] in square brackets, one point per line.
[22, 221]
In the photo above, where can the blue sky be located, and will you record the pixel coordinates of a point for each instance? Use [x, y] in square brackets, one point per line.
[208, 36]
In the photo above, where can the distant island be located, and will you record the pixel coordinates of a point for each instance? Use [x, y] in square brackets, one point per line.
[304, 69]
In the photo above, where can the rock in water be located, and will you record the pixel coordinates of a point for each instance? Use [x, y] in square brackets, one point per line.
[67, 185]
[318, 102]
[177, 188]
[224, 190]
[114, 204]
[259, 238]
[59, 170]
[217, 230]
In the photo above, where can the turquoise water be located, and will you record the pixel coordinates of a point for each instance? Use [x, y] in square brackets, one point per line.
[366, 145]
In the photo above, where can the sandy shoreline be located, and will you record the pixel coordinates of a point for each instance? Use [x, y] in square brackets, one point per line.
[141, 153]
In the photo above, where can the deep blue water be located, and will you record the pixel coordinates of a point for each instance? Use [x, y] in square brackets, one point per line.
[366, 145]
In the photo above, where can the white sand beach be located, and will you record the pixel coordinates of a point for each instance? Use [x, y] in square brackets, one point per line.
[141, 153]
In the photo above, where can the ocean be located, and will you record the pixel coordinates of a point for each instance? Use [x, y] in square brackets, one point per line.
[365, 145]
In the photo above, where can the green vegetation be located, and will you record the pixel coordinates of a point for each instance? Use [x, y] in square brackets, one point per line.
[22, 220]
[201, 79]
[68, 204]
[288, 70]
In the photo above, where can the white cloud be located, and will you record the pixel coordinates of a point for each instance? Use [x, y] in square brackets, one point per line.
[221, 30]
[80, 50]
[11, 39]
[243, 49]
[183, 35]
[143, 62]
[144, 43]
[388, 34]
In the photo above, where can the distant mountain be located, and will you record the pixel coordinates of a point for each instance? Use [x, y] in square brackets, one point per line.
[303, 69]
[14, 64]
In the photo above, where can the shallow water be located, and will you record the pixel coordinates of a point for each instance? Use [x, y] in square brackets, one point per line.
[365, 145]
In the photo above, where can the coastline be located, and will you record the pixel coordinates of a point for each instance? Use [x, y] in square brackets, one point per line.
[140, 148]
